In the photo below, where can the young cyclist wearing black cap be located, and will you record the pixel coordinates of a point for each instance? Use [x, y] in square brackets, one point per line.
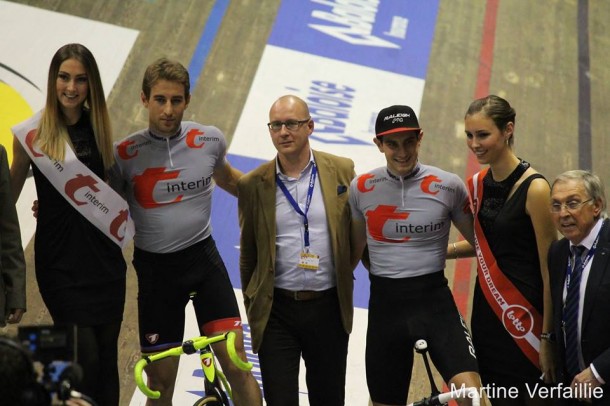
[403, 212]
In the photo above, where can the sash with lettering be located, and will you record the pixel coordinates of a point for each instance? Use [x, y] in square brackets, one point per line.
[519, 317]
[82, 188]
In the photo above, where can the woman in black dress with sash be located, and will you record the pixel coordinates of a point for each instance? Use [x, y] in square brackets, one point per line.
[80, 272]
[513, 226]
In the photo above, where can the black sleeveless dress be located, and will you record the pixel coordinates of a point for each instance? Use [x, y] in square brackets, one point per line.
[81, 273]
[510, 234]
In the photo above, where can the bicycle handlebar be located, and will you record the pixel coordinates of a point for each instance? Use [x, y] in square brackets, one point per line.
[187, 347]
[239, 363]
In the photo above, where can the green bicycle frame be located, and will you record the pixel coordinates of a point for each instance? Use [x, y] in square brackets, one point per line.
[187, 347]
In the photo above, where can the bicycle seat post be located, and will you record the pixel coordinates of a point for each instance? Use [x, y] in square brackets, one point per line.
[421, 347]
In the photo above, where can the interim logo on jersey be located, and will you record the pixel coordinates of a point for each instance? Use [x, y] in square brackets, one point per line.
[129, 149]
[432, 185]
[427, 182]
[194, 138]
[369, 179]
[399, 230]
[376, 220]
[145, 186]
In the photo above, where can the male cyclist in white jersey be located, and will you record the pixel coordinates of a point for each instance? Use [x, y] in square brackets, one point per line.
[167, 173]
[403, 213]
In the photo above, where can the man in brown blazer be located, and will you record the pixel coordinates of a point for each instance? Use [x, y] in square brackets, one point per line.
[295, 268]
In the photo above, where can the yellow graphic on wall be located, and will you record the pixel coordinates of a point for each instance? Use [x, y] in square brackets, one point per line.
[13, 110]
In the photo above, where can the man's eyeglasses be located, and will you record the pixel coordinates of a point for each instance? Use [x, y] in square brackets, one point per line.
[572, 205]
[291, 125]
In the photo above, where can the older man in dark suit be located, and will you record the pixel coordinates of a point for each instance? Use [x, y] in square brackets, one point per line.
[580, 287]
[295, 265]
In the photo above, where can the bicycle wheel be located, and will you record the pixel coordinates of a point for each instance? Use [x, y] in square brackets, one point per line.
[208, 401]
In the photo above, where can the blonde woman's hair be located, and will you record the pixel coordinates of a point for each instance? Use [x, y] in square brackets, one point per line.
[52, 132]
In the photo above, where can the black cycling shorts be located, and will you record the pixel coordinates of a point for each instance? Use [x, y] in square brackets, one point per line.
[166, 282]
[402, 311]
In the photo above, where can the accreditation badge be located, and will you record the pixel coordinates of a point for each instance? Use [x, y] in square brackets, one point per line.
[309, 261]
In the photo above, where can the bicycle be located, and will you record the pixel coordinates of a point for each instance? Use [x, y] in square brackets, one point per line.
[216, 386]
[437, 398]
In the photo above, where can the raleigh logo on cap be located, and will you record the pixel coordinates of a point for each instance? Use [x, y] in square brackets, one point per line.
[395, 119]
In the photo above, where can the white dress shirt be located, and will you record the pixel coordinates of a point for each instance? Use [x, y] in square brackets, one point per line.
[289, 240]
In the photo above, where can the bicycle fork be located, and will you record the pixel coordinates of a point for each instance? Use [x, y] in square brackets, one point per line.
[207, 364]
[211, 374]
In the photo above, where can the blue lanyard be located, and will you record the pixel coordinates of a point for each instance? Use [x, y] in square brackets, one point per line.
[294, 204]
[583, 264]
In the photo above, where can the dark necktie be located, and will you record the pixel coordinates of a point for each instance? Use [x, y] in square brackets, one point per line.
[570, 314]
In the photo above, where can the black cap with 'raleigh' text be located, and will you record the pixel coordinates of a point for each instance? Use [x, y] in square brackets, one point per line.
[396, 119]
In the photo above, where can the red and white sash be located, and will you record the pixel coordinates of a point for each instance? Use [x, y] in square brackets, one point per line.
[82, 188]
[519, 317]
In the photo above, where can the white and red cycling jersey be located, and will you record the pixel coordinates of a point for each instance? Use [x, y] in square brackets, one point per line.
[408, 219]
[168, 184]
